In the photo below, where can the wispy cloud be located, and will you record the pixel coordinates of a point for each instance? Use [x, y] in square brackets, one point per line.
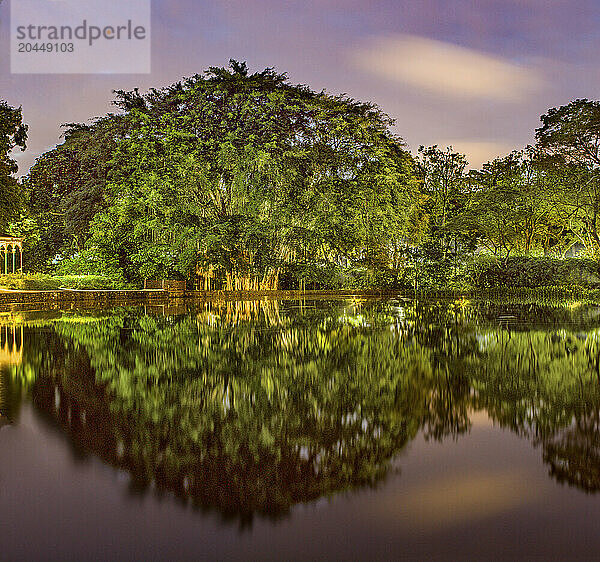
[446, 69]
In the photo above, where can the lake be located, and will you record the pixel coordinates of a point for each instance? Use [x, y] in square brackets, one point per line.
[299, 430]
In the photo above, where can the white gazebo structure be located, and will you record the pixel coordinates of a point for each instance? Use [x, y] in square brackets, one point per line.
[10, 246]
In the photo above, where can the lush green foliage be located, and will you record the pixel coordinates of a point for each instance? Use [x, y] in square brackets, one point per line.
[487, 272]
[241, 178]
[13, 134]
[66, 189]
[243, 181]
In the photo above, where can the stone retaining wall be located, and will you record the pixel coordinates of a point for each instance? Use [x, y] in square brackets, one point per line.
[9, 297]
[159, 296]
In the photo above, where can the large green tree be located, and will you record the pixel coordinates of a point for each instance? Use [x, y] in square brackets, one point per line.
[435, 234]
[570, 138]
[512, 208]
[445, 189]
[67, 187]
[13, 134]
[247, 177]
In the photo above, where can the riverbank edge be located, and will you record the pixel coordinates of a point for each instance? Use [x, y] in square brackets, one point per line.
[161, 296]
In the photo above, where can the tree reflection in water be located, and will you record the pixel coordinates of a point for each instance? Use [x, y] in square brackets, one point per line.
[251, 407]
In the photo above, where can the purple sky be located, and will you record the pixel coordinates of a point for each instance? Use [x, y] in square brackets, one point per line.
[474, 74]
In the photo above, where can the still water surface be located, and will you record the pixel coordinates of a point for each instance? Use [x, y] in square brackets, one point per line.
[374, 429]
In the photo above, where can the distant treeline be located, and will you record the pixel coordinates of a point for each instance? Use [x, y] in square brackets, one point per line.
[234, 180]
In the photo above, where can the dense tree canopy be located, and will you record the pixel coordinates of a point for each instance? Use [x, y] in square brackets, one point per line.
[570, 137]
[13, 134]
[67, 187]
[243, 181]
[240, 177]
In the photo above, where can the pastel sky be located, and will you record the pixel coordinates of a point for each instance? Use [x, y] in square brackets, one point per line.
[473, 74]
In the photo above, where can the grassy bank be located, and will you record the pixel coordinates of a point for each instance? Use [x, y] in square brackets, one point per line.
[42, 282]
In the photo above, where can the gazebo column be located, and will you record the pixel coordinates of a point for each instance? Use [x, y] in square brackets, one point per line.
[5, 260]
[14, 251]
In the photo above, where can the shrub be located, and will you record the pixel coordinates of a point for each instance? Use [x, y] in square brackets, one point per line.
[485, 272]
